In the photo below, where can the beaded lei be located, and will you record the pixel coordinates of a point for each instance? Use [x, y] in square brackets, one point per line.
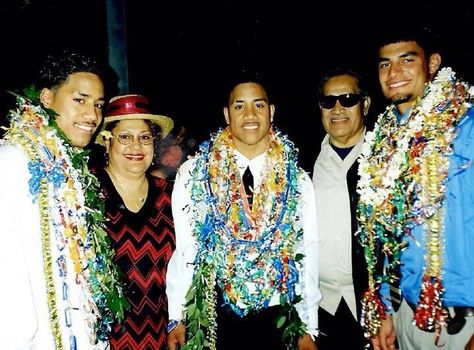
[237, 244]
[71, 218]
[403, 172]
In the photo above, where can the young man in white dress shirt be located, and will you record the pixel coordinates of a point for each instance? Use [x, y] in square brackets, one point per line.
[60, 289]
[245, 267]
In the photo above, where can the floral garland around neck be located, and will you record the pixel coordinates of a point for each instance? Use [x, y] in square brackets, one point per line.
[60, 179]
[403, 171]
[237, 244]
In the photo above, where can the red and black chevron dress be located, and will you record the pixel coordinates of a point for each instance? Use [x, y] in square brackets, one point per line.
[143, 244]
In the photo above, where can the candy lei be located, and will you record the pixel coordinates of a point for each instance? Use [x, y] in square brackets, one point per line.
[236, 244]
[71, 219]
[403, 172]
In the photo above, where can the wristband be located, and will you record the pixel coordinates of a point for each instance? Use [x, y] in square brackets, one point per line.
[172, 324]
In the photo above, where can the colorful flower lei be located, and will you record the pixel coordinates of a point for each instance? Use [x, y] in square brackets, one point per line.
[238, 244]
[60, 179]
[403, 171]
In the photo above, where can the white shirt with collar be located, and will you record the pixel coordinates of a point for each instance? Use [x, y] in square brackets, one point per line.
[181, 268]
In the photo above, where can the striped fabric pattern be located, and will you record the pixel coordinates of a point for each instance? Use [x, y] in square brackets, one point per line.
[144, 243]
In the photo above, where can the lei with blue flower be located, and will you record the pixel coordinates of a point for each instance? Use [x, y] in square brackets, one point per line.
[72, 220]
[403, 173]
[248, 252]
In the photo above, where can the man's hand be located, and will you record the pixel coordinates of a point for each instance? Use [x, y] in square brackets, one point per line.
[306, 343]
[176, 337]
[385, 340]
[470, 344]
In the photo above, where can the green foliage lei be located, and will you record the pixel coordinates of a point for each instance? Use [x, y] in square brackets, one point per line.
[35, 129]
[260, 241]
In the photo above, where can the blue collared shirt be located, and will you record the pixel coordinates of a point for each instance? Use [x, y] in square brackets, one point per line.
[458, 234]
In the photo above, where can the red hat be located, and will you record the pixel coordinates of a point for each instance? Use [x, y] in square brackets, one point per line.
[130, 107]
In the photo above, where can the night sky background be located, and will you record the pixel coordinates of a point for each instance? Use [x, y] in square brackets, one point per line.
[180, 52]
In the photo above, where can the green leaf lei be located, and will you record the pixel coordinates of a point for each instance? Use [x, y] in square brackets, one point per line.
[102, 276]
[201, 299]
[403, 172]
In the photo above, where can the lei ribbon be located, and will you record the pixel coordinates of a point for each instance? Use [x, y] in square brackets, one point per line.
[238, 245]
[71, 217]
[403, 171]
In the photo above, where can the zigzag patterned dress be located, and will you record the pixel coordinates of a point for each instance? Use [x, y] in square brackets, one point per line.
[143, 243]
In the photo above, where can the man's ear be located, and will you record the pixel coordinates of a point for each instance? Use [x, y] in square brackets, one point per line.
[434, 63]
[226, 115]
[366, 105]
[46, 97]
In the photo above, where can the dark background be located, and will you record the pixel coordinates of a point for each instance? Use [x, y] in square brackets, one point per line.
[180, 52]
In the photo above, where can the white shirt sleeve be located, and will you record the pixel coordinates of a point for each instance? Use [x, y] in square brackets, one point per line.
[181, 265]
[22, 295]
[24, 319]
[309, 275]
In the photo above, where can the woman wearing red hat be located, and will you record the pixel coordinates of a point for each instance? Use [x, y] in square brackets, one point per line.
[139, 220]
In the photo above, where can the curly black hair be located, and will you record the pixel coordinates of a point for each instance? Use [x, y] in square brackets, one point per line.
[60, 65]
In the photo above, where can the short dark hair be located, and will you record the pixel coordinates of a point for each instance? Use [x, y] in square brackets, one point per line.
[60, 65]
[424, 36]
[343, 70]
[245, 75]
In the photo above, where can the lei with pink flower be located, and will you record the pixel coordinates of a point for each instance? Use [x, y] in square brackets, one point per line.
[249, 253]
[403, 172]
[72, 218]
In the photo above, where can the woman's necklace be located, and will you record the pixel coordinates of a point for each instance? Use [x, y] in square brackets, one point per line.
[133, 194]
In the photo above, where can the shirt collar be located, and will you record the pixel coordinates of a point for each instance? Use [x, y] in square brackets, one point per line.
[255, 164]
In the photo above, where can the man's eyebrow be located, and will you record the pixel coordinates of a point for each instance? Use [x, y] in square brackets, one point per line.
[409, 53]
[83, 94]
[402, 55]
[255, 100]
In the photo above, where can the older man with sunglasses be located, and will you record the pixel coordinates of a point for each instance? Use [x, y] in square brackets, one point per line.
[343, 273]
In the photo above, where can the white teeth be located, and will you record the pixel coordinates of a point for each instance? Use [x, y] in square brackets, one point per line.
[85, 127]
[395, 85]
[135, 157]
[250, 127]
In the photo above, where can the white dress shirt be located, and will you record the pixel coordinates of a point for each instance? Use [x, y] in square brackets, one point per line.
[181, 268]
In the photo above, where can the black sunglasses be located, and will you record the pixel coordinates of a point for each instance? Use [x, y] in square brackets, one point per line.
[346, 100]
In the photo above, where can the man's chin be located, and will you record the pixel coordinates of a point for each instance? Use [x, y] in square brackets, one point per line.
[399, 99]
[80, 141]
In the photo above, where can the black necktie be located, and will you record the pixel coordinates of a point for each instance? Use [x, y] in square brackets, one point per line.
[247, 179]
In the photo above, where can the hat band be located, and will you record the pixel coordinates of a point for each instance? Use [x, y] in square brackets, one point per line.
[136, 107]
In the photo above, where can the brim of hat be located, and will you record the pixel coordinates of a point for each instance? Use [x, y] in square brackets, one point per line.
[165, 123]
